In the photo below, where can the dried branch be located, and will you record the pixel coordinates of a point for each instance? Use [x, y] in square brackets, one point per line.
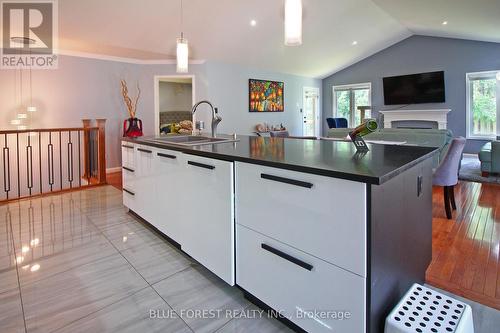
[138, 96]
[131, 106]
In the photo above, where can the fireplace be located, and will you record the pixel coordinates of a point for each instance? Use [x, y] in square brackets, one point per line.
[415, 124]
[416, 118]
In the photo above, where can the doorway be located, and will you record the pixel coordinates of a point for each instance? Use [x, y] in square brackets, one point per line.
[310, 112]
[352, 102]
[174, 98]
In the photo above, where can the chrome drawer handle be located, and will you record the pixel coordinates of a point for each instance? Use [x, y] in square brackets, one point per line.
[129, 192]
[286, 180]
[288, 257]
[128, 169]
[166, 155]
[144, 150]
[201, 165]
[129, 147]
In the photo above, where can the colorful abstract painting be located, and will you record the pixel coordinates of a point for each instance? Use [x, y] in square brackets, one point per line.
[266, 96]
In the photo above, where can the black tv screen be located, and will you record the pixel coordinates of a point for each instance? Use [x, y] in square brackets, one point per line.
[414, 89]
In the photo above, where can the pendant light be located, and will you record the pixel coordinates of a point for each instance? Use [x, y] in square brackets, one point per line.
[182, 50]
[31, 107]
[22, 116]
[293, 22]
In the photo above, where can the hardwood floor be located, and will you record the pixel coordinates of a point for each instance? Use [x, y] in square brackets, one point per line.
[465, 258]
[465, 249]
[115, 179]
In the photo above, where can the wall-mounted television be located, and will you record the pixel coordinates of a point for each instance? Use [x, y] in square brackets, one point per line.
[414, 88]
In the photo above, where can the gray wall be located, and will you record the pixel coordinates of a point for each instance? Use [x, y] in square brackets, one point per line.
[175, 96]
[422, 54]
[90, 88]
[228, 89]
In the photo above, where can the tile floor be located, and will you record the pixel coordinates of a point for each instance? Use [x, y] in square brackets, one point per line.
[78, 262]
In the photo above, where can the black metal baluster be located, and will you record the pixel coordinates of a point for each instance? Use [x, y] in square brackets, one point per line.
[79, 162]
[18, 169]
[89, 158]
[60, 161]
[6, 168]
[29, 164]
[50, 161]
[70, 160]
[40, 158]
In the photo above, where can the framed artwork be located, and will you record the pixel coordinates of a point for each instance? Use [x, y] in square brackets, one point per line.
[266, 96]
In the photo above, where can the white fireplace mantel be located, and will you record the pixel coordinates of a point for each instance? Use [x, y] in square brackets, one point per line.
[438, 116]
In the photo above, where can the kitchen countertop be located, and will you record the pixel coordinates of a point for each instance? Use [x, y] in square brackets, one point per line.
[322, 157]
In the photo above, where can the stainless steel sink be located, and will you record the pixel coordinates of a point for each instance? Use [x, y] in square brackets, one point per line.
[190, 140]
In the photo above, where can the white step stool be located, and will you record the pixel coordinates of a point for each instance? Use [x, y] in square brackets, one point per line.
[424, 310]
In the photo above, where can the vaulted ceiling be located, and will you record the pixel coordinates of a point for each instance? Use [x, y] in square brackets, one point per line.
[220, 30]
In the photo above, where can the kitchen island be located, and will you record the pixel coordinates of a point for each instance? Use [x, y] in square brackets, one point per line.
[328, 237]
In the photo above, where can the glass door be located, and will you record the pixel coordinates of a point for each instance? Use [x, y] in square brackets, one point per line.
[352, 102]
[483, 105]
[310, 126]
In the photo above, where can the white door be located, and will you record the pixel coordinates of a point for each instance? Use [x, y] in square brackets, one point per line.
[310, 112]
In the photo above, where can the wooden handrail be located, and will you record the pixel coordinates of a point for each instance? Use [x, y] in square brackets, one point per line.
[45, 130]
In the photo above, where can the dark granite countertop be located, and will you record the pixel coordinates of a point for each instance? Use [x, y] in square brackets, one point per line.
[327, 158]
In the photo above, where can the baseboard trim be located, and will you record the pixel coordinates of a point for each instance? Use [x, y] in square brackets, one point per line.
[113, 170]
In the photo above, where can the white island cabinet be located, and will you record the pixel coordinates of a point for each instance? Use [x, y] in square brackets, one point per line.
[208, 214]
[306, 236]
[328, 238]
[188, 198]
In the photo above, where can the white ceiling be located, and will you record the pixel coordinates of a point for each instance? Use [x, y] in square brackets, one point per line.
[467, 19]
[219, 29]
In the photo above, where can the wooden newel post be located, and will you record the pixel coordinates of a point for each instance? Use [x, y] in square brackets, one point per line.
[101, 150]
[86, 149]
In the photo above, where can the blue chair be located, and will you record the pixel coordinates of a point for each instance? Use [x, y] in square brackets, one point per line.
[336, 122]
[446, 174]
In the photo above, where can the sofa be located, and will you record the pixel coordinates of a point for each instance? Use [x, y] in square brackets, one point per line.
[490, 158]
[419, 137]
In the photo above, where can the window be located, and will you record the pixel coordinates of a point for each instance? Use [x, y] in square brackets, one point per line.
[483, 105]
[352, 102]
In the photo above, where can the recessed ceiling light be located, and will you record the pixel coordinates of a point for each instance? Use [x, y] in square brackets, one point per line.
[354, 43]
[253, 23]
[445, 23]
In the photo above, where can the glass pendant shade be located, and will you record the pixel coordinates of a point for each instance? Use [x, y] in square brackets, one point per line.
[293, 22]
[182, 55]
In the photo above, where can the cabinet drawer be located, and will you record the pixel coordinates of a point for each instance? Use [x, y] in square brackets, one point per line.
[322, 216]
[296, 284]
[128, 177]
[129, 198]
[128, 158]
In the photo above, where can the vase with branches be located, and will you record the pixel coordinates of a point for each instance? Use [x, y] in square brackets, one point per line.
[132, 127]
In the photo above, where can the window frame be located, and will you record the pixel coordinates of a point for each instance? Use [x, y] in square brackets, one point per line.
[348, 87]
[469, 118]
